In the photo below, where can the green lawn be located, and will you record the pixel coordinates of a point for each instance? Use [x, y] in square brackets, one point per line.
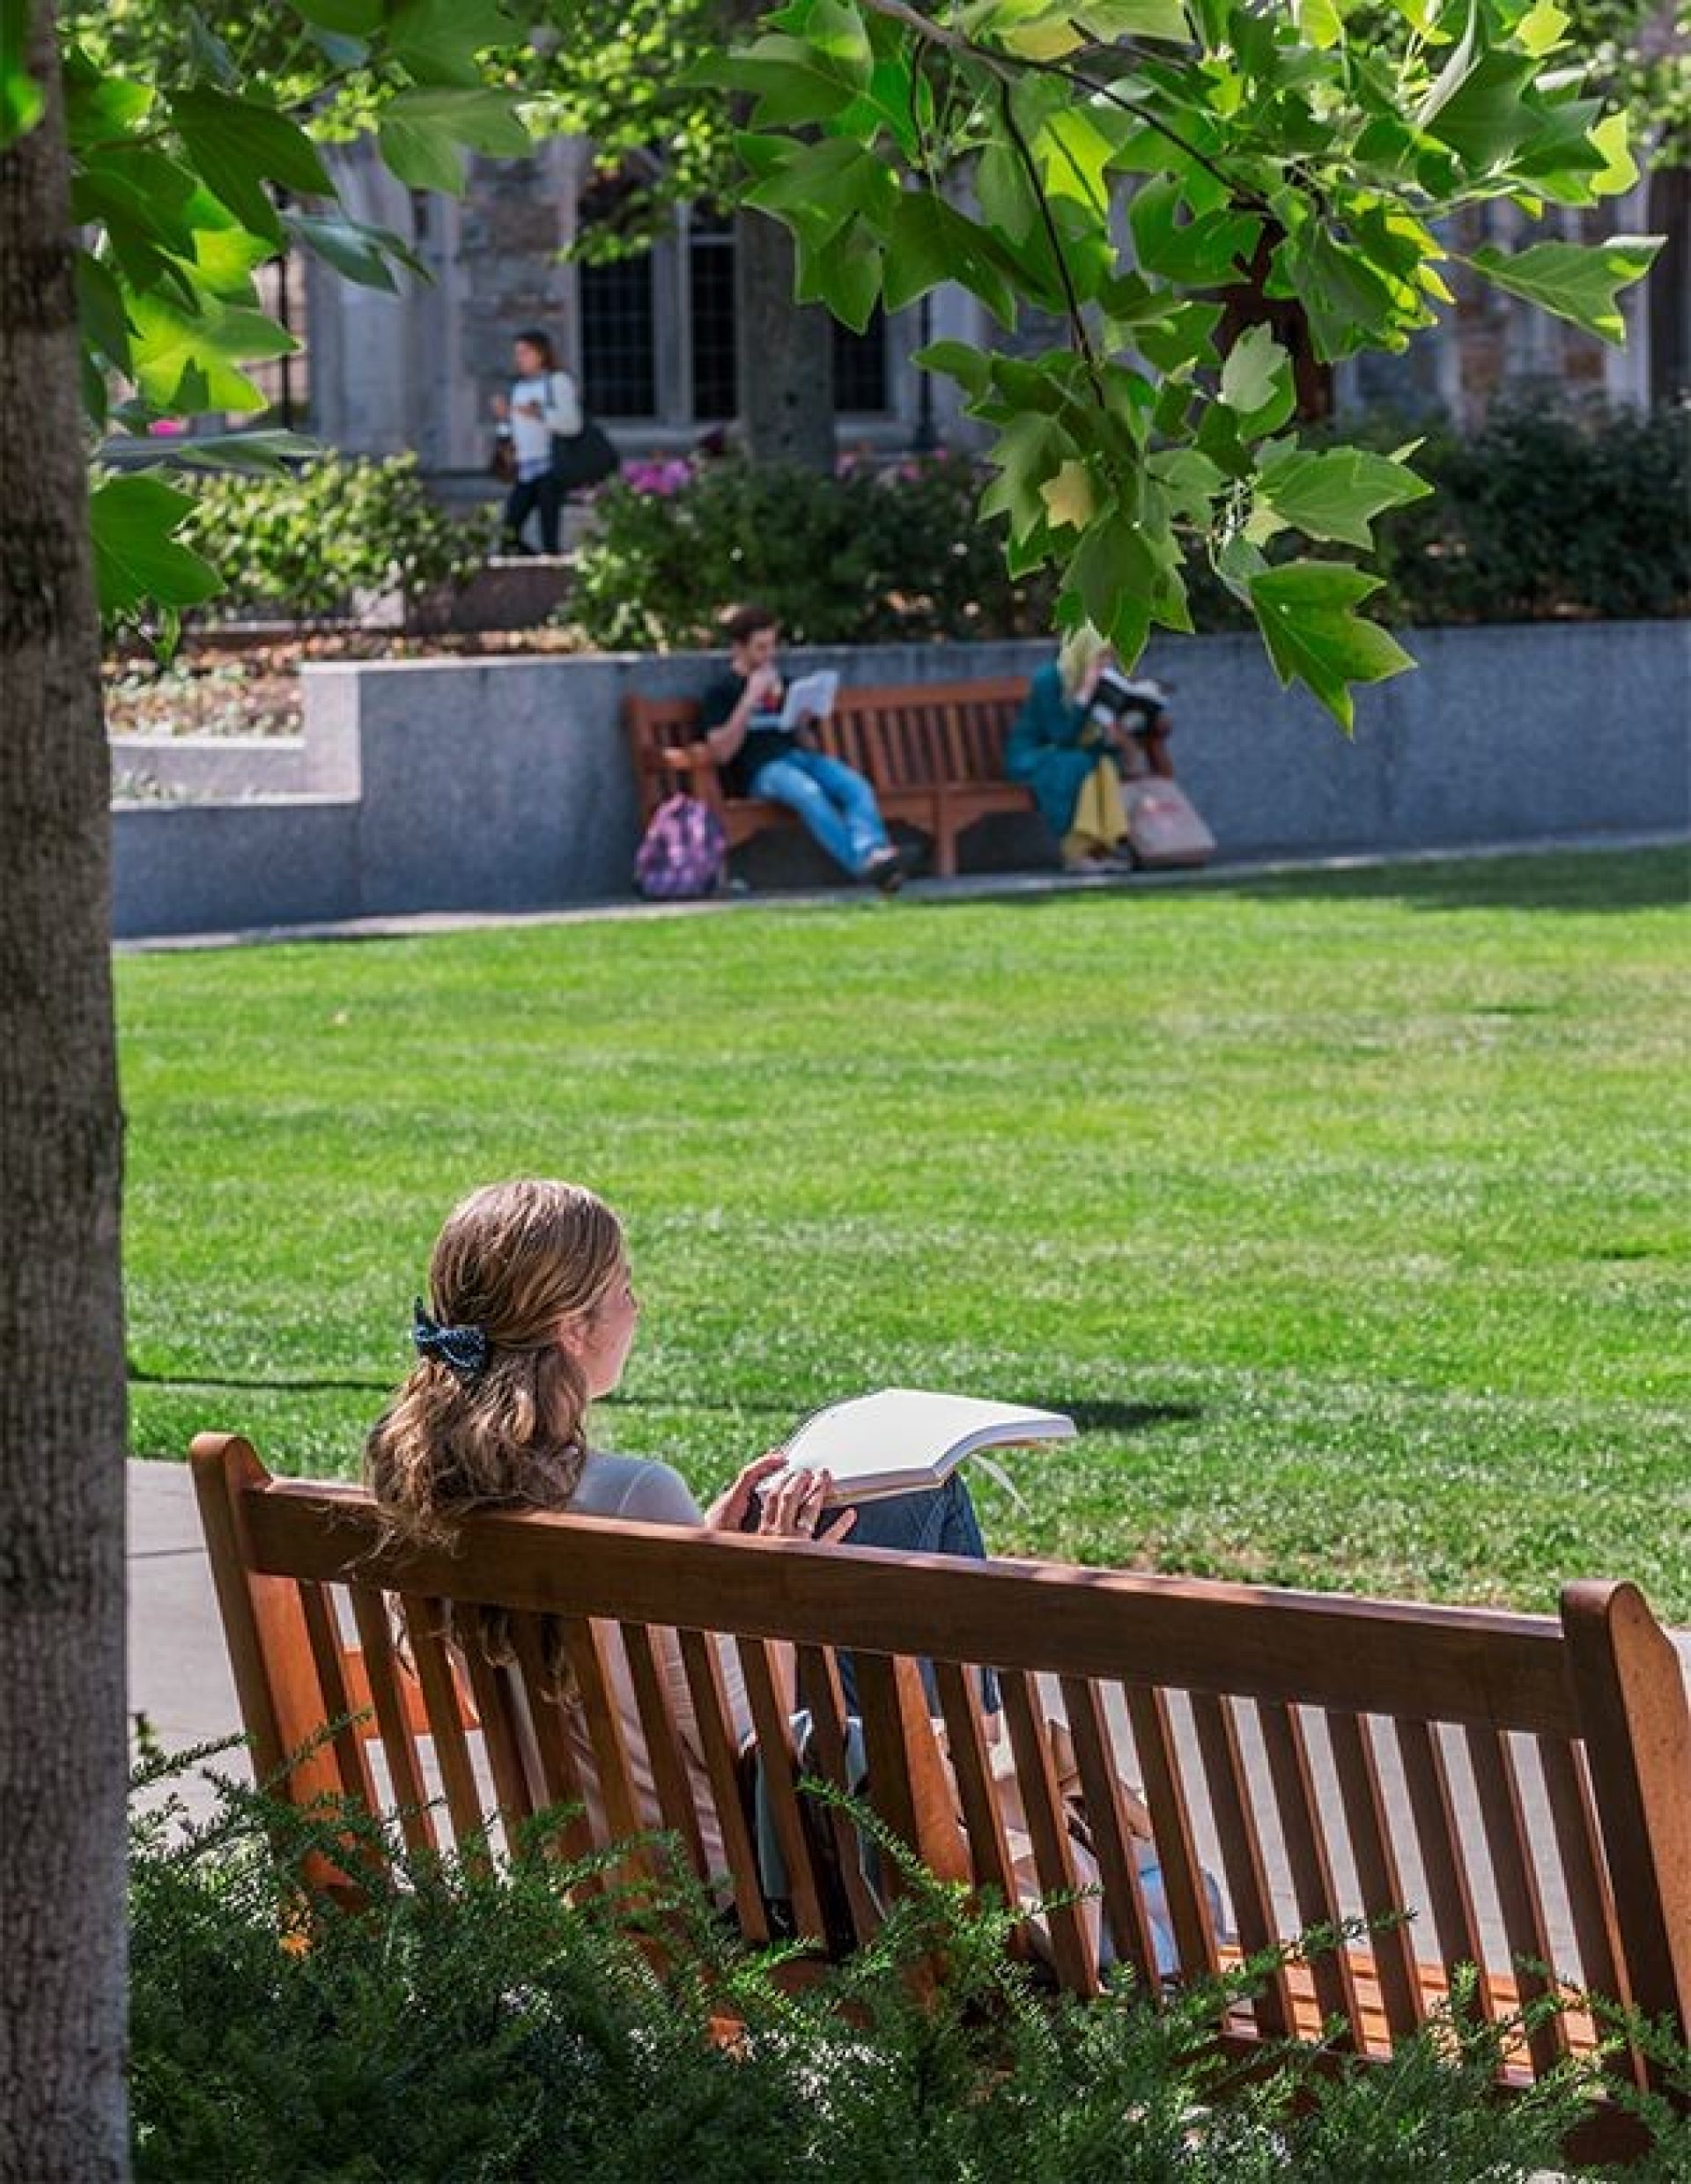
[1349, 1213]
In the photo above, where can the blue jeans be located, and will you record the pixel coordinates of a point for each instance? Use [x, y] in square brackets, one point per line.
[833, 799]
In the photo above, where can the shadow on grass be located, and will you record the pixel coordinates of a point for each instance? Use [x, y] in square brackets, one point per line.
[1582, 881]
[281, 1384]
[1593, 876]
[1102, 1416]
[1106, 1417]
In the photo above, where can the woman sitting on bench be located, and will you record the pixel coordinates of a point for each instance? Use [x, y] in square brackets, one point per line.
[531, 1317]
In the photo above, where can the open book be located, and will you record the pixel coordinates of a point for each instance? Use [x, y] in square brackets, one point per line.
[902, 1438]
[811, 699]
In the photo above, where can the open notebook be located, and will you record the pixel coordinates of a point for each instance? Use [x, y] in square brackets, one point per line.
[903, 1438]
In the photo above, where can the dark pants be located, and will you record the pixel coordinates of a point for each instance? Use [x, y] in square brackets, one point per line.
[542, 493]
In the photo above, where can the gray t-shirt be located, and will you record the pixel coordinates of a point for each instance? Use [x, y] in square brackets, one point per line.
[634, 1488]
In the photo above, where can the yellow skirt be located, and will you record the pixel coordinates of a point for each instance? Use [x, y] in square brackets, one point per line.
[1100, 819]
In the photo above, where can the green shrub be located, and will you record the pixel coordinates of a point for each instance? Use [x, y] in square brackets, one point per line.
[301, 544]
[468, 2023]
[1544, 512]
[865, 556]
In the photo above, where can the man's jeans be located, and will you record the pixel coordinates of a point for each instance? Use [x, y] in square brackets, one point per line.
[833, 799]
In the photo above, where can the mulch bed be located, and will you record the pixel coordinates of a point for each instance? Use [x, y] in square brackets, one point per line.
[246, 681]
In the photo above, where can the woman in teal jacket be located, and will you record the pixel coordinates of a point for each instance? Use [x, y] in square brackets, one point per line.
[1072, 754]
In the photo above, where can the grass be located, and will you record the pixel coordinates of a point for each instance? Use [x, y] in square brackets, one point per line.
[1348, 1212]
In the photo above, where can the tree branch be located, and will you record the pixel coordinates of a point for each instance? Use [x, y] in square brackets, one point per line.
[1025, 152]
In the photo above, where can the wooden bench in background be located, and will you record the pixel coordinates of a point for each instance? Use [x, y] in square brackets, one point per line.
[1522, 1785]
[933, 751]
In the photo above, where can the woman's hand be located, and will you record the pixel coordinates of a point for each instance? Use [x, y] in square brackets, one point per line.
[501, 408]
[789, 1504]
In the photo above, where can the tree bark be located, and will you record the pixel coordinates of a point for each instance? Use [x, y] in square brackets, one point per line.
[63, 1760]
[786, 352]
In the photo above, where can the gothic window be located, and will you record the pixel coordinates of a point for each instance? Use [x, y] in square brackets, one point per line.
[660, 338]
[618, 337]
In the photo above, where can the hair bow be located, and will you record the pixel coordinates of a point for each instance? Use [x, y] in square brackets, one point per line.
[464, 1349]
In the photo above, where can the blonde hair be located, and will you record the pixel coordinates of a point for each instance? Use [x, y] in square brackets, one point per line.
[1080, 651]
[513, 1261]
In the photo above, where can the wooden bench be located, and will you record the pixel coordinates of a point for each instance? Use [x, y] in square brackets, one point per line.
[1521, 1784]
[934, 752]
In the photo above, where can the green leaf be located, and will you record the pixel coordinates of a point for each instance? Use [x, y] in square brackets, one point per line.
[1337, 493]
[1029, 452]
[420, 131]
[361, 252]
[100, 311]
[237, 144]
[1540, 29]
[1115, 576]
[1047, 30]
[225, 255]
[1257, 381]
[1485, 117]
[793, 81]
[136, 560]
[1306, 612]
[1198, 249]
[1619, 170]
[959, 361]
[929, 242]
[1189, 480]
[846, 275]
[97, 107]
[187, 363]
[1576, 281]
[437, 40]
[827, 182]
[269, 453]
[21, 95]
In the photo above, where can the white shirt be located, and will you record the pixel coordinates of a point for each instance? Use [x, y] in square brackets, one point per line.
[555, 392]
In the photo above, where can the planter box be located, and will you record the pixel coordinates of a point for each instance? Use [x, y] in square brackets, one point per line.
[501, 784]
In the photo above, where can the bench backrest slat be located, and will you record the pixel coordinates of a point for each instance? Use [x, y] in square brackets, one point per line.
[1356, 1764]
[1433, 1805]
[1521, 1785]
[1243, 1868]
[394, 1725]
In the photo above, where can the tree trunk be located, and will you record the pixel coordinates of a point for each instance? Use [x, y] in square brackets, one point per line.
[63, 1760]
[786, 352]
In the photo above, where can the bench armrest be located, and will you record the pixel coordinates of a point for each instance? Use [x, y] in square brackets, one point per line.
[685, 757]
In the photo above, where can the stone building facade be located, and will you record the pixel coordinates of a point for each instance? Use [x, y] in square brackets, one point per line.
[652, 340]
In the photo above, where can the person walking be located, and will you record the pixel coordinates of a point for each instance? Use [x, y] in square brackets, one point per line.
[543, 401]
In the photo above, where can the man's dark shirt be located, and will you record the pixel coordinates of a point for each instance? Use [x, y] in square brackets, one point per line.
[761, 743]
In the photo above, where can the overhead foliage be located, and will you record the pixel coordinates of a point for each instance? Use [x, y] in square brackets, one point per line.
[1115, 169]
[194, 141]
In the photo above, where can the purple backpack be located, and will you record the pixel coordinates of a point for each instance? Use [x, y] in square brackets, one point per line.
[684, 852]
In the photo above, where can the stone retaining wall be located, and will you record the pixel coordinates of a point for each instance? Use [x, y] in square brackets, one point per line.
[504, 783]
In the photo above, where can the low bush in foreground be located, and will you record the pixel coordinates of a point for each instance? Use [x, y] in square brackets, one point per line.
[471, 2023]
